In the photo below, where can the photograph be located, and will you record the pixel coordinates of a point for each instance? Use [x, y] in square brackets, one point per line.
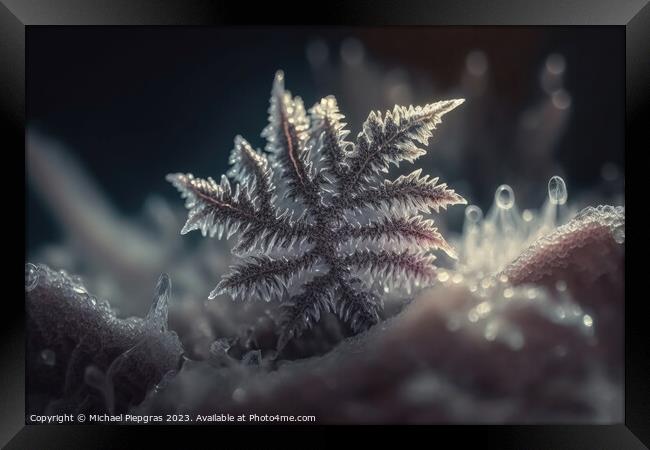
[327, 225]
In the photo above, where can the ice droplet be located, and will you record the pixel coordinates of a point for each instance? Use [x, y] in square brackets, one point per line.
[31, 276]
[504, 197]
[557, 192]
[473, 214]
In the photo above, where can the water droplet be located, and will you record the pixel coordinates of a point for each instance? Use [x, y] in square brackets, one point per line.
[48, 357]
[31, 276]
[587, 320]
[508, 293]
[504, 197]
[557, 192]
[473, 214]
[527, 215]
[443, 276]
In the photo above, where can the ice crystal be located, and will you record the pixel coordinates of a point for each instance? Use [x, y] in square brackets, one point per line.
[317, 224]
[505, 237]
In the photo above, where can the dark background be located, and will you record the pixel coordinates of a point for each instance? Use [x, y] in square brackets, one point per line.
[134, 104]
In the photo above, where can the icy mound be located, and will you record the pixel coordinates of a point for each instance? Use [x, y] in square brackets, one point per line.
[468, 350]
[80, 356]
[593, 234]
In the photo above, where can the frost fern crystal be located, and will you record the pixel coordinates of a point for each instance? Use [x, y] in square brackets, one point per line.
[318, 226]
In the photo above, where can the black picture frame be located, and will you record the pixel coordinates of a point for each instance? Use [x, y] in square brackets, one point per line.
[17, 16]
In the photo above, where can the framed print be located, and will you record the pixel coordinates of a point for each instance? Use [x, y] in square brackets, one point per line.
[391, 215]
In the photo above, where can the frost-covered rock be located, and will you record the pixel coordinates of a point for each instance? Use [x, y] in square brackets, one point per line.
[80, 356]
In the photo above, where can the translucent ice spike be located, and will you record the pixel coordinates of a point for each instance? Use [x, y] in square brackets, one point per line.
[553, 209]
[157, 315]
[557, 192]
[489, 244]
[504, 197]
[504, 228]
[472, 231]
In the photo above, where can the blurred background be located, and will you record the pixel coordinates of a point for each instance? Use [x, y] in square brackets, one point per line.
[131, 105]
